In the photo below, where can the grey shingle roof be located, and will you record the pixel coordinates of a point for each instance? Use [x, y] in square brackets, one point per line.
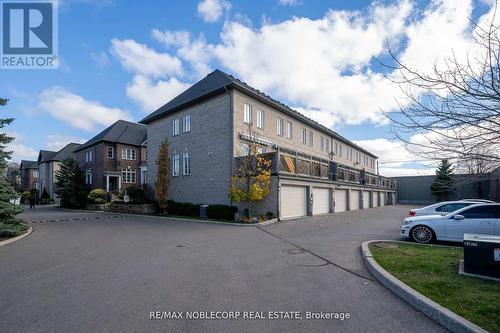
[45, 155]
[65, 152]
[122, 131]
[25, 164]
[218, 82]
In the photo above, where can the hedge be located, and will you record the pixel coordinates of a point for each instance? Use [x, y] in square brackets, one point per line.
[221, 212]
[218, 212]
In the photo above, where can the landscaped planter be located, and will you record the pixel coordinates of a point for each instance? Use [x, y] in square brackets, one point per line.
[131, 208]
[101, 207]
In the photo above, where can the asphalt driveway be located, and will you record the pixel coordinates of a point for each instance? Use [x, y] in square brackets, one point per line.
[106, 273]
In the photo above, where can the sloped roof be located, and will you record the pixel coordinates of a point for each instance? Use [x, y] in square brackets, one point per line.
[65, 152]
[122, 131]
[218, 82]
[25, 164]
[45, 155]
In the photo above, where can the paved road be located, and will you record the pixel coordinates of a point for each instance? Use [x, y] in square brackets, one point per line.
[106, 275]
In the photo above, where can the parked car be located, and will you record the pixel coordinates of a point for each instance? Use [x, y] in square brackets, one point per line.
[442, 208]
[479, 218]
[478, 200]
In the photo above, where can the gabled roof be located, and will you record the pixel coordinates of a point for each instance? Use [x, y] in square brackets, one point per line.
[218, 82]
[122, 131]
[25, 164]
[45, 155]
[61, 155]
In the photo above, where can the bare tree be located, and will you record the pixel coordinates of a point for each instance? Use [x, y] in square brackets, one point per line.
[453, 112]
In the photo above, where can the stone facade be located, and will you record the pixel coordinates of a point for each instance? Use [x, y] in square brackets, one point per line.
[29, 177]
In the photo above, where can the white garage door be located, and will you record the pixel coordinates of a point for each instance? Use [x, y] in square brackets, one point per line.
[375, 199]
[321, 200]
[382, 198]
[354, 200]
[366, 199]
[293, 201]
[340, 201]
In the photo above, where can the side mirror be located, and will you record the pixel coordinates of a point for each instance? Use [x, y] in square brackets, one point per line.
[459, 217]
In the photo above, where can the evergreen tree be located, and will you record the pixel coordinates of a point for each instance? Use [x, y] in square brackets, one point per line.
[70, 185]
[162, 183]
[443, 182]
[7, 209]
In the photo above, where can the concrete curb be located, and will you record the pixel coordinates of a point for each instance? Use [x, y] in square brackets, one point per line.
[15, 239]
[438, 313]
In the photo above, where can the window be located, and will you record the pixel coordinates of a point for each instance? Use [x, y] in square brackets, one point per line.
[327, 145]
[311, 138]
[186, 163]
[279, 127]
[35, 174]
[175, 127]
[128, 176]
[358, 157]
[88, 177]
[111, 152]
[88, 156]
[303, 136]
[247, 114]
[336, 149]
[186, 123]
[128, 154]
[482, 212]
[245, 149]
[322, 143]
[451, 207]
[260, 119]
[175, 165]
[288, 130]
[340, 150]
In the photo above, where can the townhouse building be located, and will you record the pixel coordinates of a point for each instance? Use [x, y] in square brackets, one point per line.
[29, 175]
[115, 158]
[211, 125]
[49, 162]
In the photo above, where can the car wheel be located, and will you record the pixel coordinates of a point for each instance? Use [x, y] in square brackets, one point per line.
[422, 234]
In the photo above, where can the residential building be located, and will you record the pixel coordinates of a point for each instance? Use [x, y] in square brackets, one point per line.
[115, 158]
[314, 169]
[49, 162]
[29, 175]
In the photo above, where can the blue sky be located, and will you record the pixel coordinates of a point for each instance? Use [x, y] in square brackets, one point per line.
[121, 59]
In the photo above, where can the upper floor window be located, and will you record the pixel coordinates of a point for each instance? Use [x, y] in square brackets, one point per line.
[175, 165]
[175, 127]
[327, 145]
[128, 176]
[88, 156]
[247, 114]
[186, 163]
[128, 154]
[279, 126]
[186, 123]
[303, 136]
[340, 150]
[322, 143]
[35, 174]
[111, 152]
[88, 177]
[260, 119]
[311, 138]
[288, 130]
[358, 157]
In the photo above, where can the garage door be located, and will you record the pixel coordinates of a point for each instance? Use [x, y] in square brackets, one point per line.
[321, 201]
[340, 201]
[293, 201]
[354, 200]
[375, 199]
[366, 199]
[382, 198]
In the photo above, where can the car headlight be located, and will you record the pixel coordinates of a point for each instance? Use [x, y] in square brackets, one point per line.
[405, 222]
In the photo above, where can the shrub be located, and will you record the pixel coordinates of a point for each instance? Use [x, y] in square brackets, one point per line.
[97, 195]
[25, 196]
[183, 208]
[269, 215]
[221, 212]
[137, 194]
[100, 201]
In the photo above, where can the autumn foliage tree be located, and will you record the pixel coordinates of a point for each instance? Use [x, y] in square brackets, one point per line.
[251, 181]
[162, 183]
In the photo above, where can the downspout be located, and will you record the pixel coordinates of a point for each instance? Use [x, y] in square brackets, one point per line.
[231, 142]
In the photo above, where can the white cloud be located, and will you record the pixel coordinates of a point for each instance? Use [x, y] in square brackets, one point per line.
[398, 172]
[101, 59]
[388, 151]
[288, 2]
[150, 94]
[19, 150]
[140, 59]
[57, 141]
[77, 111]
[212, 10]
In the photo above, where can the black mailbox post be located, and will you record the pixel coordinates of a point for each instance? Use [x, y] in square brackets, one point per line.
[482, 255]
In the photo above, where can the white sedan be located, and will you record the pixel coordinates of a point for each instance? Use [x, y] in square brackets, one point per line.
[479, 218]
[442, 208]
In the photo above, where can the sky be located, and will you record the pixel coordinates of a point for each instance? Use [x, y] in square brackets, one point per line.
[121, 59]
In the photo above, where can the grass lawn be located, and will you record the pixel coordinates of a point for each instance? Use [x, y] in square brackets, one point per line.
[8, 230]
[433, 271]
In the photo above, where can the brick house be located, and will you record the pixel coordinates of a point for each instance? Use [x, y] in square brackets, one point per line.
[314, 169]
[29, 175]
[115, 158]
[49, 163]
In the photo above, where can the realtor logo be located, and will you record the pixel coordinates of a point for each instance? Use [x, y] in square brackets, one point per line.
[29, 35]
